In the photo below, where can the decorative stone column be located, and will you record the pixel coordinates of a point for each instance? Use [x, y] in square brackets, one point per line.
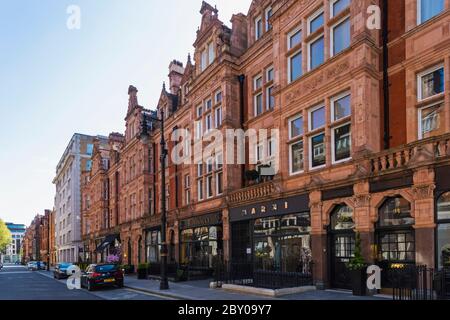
[423, 211]
[318, 241]
[363, 220]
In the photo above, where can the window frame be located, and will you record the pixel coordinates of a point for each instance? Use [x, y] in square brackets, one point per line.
[419, 13]
[292, 119]
[333, 148]
[258, 35]
[420, 75]
[291, 34]
[291, 172]
[311, 151]
[310, 43]
[290, 80]
[332, 28]
[216, 123]
[267, 25]
[312, 17]
[332, 107]
[310, 118]
[255, 102]
[332, 2]
[419, 117]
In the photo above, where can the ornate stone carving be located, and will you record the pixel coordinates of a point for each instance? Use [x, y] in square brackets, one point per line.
[423, 192]
[361, 200]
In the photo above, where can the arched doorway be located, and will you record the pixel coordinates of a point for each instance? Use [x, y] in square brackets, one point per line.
[342, 246]
[443, 231]
[395, 234]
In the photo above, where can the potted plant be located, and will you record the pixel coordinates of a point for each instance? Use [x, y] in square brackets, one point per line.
[357, 266]
[142, 271]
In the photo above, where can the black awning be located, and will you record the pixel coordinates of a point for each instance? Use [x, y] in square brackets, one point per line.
[108, 240]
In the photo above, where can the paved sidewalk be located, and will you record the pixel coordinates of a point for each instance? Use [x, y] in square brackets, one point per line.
[199, 290]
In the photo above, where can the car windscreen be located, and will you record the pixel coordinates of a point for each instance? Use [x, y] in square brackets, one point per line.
[106, 268]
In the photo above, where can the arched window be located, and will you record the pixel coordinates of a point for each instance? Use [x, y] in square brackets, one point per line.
[395, 212]
[443, 230]
[342, 218]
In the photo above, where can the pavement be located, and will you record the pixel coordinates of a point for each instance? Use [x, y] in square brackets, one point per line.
[199, 290]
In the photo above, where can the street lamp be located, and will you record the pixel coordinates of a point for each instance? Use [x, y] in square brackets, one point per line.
[146, 125]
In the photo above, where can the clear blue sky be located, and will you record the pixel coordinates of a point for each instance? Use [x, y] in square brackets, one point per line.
[55, 81]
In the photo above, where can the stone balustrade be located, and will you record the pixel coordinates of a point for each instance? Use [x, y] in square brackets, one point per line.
[253, 192]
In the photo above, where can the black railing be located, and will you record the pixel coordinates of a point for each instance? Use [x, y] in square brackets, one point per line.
[247, 274]
[442, 284]
[411, 283]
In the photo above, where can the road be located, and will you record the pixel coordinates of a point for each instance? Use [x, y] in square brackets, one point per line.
[17, 283]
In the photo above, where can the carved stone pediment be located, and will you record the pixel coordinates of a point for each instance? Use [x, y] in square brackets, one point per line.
[422, 154]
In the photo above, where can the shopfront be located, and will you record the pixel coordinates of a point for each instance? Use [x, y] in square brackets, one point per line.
[273, 236]
[107, 246]
[201, 240]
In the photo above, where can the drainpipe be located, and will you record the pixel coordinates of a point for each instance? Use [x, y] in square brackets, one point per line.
[384, 34]
[241, 79]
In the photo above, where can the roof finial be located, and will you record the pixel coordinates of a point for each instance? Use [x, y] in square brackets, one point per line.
[164, 85]
[189, 58]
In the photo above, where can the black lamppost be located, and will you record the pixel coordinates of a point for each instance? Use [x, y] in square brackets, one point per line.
[147, 124]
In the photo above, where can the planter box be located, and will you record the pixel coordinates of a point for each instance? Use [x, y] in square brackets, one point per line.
[359, 279]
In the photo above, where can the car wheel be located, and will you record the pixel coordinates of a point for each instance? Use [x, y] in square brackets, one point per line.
[90, 287]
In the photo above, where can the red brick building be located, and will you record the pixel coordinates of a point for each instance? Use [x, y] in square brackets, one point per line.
[363, 114]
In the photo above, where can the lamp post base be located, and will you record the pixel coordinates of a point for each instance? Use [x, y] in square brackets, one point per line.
[164, 285]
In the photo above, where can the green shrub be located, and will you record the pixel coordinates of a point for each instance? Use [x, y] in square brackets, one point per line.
[357, 262]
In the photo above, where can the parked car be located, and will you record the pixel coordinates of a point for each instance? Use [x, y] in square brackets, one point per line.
[42, 265]
[60, 271]
[32, 265]
[100, 275]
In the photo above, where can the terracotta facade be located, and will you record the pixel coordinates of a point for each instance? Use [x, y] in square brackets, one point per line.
[265, 73]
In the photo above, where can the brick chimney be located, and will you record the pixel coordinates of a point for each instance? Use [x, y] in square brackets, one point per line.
[132, 99]
[239, 33]
[176, 71]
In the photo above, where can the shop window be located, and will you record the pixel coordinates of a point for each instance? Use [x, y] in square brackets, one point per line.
[153, 246]
[200, 246]
[283, 243]
[443, 230]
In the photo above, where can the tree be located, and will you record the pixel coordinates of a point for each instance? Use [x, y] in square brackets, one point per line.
[5, 236]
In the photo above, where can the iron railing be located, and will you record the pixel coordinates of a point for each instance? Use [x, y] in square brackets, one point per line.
[247, 274]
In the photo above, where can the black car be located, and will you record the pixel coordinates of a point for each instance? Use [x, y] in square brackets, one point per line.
[60, 271]
[101, 275]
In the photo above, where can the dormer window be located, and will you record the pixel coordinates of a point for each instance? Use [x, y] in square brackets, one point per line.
[258, 28]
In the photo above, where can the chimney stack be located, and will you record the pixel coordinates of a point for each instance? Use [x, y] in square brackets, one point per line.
[176, 71]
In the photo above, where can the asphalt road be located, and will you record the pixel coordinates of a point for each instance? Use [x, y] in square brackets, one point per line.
[17, 283]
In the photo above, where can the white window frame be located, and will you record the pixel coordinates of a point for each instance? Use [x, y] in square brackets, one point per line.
[218, 155]
[419, 82]
[333, 101]
[322, 35]
[258, 35]
[206, 104]
[266, 16]
[211, 53]
[332, 2]
[289, 66]
[198, 129]
[310, 146]
[255, 80]
[332, 54]
[268, 107]
[290, 34]
[200, 172]
[217, 183]
[419, 117]
[209, 190]
[208, 123]
[199, 113]
[200, 190]
[419, 12]
[333, 156]
[291, 172]
[310, 111]
[215, 96]
[255, 98]
[203, 60]
[217, 124]
[267, 74]
[292, 119]
[209, 162]
[312, 17]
